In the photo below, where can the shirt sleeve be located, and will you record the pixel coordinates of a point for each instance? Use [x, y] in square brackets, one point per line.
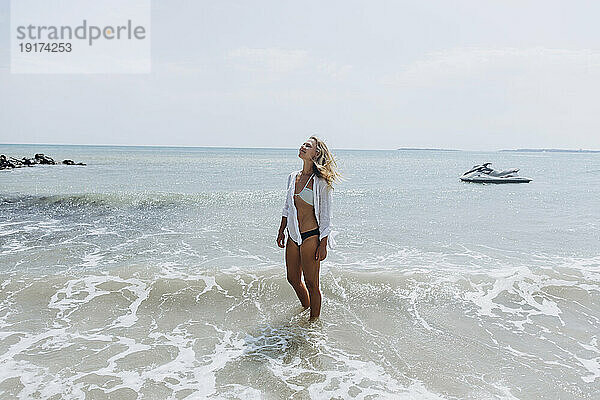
[325, 199]
[286, 204]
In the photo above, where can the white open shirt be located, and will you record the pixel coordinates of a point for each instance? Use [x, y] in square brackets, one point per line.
[322, 204]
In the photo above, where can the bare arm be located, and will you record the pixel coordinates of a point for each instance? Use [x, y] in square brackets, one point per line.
[281, 234]
[321, 252]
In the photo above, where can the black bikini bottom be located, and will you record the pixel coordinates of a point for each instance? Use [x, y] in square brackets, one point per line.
[308, 234]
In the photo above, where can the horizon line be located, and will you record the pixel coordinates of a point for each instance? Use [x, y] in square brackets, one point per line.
[528, 149]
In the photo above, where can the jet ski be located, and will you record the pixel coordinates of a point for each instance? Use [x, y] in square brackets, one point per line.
[485, 174]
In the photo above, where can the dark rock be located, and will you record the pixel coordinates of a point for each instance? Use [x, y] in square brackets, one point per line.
[4, 163]
[11, 162]
[42, 159]
[30, 162]
[71, 162]
[16, 162]
[8, 163]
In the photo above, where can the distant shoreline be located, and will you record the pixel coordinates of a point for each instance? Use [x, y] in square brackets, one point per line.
[550, 151]
[506, 150]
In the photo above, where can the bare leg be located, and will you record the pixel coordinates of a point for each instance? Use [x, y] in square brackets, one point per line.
[310, 268]
[294, 271]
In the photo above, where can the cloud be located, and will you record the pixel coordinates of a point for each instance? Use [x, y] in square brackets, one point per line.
[448, 66]
[273, 61]
[335, 70]
[269, 60]
[178, 67]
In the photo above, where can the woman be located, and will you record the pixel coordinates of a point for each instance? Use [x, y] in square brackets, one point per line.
[306, 218]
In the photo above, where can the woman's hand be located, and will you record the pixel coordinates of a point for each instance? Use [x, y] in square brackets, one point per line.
[281, 239]
[321, 252]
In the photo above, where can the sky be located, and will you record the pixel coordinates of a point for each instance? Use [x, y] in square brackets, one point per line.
[472, 75]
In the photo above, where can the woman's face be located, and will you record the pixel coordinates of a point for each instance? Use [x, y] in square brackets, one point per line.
[308, 150]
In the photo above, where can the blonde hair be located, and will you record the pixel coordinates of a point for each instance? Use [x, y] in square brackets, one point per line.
[324, 164]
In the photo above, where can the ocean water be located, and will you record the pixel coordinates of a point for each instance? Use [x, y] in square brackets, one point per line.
[153, 273]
